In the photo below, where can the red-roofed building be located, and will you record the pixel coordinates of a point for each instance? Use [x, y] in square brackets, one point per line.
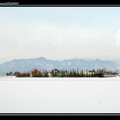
[36, 72]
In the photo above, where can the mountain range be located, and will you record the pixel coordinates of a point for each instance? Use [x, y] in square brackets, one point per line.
[27, 65]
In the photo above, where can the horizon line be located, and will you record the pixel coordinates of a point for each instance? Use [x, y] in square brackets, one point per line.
[89, 59]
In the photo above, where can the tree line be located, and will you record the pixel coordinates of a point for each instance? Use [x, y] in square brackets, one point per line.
[64, 73]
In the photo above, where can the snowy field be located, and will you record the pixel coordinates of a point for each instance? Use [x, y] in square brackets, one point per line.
[59, 95]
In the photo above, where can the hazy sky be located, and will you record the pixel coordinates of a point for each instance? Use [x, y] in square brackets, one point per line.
[59, 32]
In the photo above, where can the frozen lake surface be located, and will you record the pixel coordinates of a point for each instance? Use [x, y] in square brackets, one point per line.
[59, 95]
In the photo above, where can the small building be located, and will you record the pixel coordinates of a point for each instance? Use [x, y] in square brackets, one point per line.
[49, 74]
[36, 72]
[110, 74]
[87, 73]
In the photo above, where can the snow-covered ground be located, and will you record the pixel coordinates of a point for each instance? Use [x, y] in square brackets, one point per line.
[59, 95]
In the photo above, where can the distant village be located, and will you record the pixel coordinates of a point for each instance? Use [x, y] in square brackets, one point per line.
[63, 73]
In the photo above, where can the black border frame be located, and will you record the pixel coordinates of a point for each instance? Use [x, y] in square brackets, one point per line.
[59, 114]
[61, 4]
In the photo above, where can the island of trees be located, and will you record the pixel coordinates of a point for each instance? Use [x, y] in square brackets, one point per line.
[64, 73]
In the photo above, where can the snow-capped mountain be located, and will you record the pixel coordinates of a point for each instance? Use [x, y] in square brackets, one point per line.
[26, 65]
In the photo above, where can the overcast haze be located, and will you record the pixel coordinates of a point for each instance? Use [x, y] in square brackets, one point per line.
[59, 32]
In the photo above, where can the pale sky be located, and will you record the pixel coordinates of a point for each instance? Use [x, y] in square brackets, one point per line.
[59, 32]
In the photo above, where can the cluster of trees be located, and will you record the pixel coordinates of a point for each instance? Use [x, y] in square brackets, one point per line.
[63, 73]
[76, 73]
[18, 74]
